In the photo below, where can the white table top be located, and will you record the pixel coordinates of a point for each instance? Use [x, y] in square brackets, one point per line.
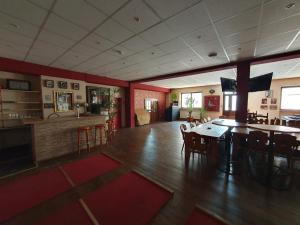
[209, 130]
[229, 123]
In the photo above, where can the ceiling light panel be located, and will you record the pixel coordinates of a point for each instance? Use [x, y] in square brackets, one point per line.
[136, 8]
[107, 6]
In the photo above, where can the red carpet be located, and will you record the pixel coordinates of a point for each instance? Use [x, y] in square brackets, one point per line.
[200, 217]
[72, 214]
[129, 200]
[29, 191]
[86, 169]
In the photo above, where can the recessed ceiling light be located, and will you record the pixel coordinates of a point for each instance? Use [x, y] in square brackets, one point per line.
[212, 54]
[199, 36]
[98, 42]
[136, 19]
[16, 26]
[239, 49]
[290, 5]
[120, 52]
[152, 53]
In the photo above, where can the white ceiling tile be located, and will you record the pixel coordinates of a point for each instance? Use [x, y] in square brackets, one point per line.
[7, 46]
[213, 46]
[97, 42]
[220, 9]
[40, 59]
[189, 20]
[173, 45]
[199, 36]
[71, 59]
[168, 8]
[136, 44]
[79, 13]
[45, 49]
[17, 26]
[114, 31]
[279, 39]
[23, 10]
[107, 6]
[238, 23]
[83, 50]
[275, 10]
[14, 39]
[158, 34]
[121, 51]
[55, 39]
[46, 4]
[241, 37]
[64, 28]
[136, 9]
[289, 24]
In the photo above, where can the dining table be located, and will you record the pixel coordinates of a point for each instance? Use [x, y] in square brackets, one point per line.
[229, 166]
[210, 130]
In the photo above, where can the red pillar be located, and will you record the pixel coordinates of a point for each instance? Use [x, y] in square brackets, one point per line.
[243, 76]
[129, 106]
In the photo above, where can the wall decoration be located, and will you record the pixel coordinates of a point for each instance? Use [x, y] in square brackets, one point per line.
[22, 85]
[264, 101]
[273, 107]
[48, 98]
[269, 94]
[62, 84]
[211, 91]
[49, 83]
[63, 101]
[273, 101]
[48, 105]
[264, 107]
[78, 97]
[75, 86]
[212, 103]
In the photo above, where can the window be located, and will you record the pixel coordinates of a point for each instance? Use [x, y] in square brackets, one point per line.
[229, 101]
[196, 96]
[290, 98]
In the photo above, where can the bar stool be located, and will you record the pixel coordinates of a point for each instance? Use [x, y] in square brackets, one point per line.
[86, 132]
[101, 129]
[110, 131]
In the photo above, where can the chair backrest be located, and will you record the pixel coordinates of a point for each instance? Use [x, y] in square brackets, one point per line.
[188, 138]
[257, 140]
[200, 142]
[285, 144]
[208, 118]
[192, 125]
[183, 128]
[197, 123]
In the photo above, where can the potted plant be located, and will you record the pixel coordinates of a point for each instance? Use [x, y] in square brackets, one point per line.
[203, 113]
[174, 99]
[111, 104]
[190, 106]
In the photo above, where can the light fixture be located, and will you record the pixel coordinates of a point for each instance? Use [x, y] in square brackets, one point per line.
[212, 54]
[98, 42]
[199, 36]
[290, 5]
[120, 52]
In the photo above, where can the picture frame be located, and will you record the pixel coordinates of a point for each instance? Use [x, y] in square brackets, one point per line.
[212, 103]
[264, 107]
[21, 85]
[273, 101]
[75, 86]
[264, 101]
[48, 98]
[269, 93]
[49, 83]
[273, 107]
[62, 84]
[63, 101]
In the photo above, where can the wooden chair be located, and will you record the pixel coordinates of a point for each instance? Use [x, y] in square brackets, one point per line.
[275, 121]
[183, 129]
[192, 125]
[198, 123]
[294, 123]
[110, 132]
[257, 142]
[84, 138]
[285, 145]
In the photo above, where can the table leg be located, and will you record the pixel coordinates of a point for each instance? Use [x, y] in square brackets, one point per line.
[270, 158]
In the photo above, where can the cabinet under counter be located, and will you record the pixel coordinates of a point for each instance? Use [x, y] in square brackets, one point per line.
[56, 137]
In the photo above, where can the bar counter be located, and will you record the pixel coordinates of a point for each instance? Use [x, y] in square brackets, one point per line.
[58, 136]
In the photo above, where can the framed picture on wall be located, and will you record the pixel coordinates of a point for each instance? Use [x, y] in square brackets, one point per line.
[273, 101]
[273, 107]
[62, 84]
[264, 101]
[264, 107]
[49, 83]
[75, 86]
[212, 103]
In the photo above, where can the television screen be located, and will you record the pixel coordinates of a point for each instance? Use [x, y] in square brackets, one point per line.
[228, 84]
[260, 83]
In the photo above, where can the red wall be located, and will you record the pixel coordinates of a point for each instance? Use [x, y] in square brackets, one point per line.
[140, 95]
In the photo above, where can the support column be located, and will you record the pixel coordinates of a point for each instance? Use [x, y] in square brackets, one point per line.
[129, 106]
[243, 76]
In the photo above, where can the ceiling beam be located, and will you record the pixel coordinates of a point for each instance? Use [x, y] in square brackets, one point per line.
[231, 65]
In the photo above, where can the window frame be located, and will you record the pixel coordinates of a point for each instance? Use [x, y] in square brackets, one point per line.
[294, 86]
[191, 93]
[230, 102]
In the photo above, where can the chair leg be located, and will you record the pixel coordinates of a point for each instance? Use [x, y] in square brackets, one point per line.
[182, 147]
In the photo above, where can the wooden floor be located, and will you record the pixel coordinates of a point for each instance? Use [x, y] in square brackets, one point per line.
[155, 150]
